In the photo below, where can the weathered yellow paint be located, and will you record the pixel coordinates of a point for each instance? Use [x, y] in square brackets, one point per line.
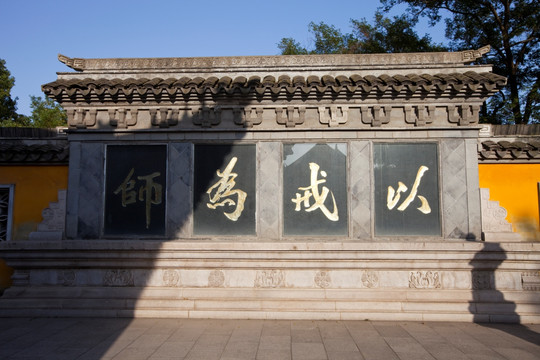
[515, 187]
[35, 188]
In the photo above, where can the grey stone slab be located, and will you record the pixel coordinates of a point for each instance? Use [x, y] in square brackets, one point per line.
[473, 191]
[344, 355]
[306, 336]
[408, 349]
[279, 342]
[90, 190]
[391, 329]
[505, 344]
[374, 348]
[160, 339]
[276, 328]
[361, 190]
[308, 351]
[179, 203]
[173, 349]
[454, 189]
[464, 342]
[268, 182]
[240, 350]
[435, 344]
[274, 354]
[361, 329]
[339, 344]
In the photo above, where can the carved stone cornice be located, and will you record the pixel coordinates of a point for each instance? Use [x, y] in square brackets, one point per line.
[235, 62]
[256, 88]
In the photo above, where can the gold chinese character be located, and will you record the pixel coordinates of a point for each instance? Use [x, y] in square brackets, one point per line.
[146, 191]
[393, 196]
[129, 196]
[319, 198]
[224, 189]
[150, 192]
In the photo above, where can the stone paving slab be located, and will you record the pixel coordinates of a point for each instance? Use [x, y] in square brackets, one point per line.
[197, 339]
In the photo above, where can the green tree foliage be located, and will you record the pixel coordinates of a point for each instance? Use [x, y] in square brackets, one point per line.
[512, 29]
[46, 113]
[395, 35]
[383, 36]
[8, 105]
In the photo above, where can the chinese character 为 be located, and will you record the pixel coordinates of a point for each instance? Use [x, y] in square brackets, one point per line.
[393, 196]
[224, 189]
[150, 192]
[313, 191]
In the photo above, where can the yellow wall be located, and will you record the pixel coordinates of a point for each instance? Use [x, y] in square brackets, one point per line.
[515, 187]
[35, 188]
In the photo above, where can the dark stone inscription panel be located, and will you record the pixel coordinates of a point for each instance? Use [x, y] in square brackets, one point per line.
[406, 189]
[315, 189]
[135, 186]
[224, 193]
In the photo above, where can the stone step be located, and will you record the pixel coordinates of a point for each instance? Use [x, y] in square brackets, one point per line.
[373, 304]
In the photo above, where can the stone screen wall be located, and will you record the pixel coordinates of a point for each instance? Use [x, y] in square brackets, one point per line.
[275, 189]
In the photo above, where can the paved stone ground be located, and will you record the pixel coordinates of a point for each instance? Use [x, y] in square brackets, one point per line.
[161, 339]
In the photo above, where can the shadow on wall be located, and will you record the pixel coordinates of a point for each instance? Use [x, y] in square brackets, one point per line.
[202, 170]
[489, 307]
[488, 304]
[5, 276]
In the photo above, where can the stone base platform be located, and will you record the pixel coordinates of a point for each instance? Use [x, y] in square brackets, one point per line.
[409, 281]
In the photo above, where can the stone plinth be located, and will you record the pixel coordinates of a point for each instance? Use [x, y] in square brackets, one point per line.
[451, 281]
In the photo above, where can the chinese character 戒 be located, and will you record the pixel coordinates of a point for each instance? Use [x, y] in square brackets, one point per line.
[318, 197]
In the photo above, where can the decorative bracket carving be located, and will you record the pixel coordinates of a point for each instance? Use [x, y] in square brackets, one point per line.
[463, 114]
[206, 117]
[291, 120]
[338, 115]
[122, 118]
[376, 115]
[164, 121]
[247, 116]
[420, 115]
[81, 118]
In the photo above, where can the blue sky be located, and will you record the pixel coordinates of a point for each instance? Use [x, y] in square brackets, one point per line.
[34, 32]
